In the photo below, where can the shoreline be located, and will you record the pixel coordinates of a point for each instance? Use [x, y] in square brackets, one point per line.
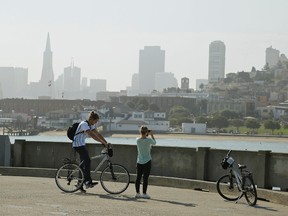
[186, 136]
[210, 137]
[218, 137]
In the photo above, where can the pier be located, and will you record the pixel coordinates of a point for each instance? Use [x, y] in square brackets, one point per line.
[20, 132]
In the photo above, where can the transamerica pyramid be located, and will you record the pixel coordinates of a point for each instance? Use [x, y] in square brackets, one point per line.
[47, 87]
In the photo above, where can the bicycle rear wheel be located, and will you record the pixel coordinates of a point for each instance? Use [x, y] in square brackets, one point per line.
[69, 177]
[115, 179]
[227, 187]
[250, 191]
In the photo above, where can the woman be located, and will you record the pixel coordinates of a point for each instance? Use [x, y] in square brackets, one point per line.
[87, 129]
[144, 144]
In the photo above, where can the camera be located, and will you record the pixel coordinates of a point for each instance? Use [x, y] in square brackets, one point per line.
[148, 132]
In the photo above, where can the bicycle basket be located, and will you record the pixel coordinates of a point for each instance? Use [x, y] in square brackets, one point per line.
[227, 162]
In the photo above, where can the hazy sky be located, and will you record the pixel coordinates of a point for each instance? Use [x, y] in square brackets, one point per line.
[104, 37]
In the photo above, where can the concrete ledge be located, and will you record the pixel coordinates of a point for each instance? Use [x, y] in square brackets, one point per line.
[267, 195]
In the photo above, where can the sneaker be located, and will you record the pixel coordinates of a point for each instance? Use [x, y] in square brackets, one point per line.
[138, 195]
[89, 184]
[146, 196]
[82, 189]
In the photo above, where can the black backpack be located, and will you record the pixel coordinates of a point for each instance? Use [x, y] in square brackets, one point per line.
[71, 131]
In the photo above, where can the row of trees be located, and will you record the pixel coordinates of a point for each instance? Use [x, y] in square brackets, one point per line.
[179, 114]
[219, 120]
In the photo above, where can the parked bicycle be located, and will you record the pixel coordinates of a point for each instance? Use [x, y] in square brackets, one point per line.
[235, 185]
[114, 178]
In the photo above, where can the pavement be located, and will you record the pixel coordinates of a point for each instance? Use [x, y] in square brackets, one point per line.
[34, 196]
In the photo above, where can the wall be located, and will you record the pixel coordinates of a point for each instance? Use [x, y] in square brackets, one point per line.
[5, 150]
[269, 169]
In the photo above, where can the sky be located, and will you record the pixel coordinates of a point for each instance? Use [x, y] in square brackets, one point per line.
[104, 37]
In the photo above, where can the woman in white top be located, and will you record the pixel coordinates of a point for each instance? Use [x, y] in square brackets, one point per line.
[87, 129]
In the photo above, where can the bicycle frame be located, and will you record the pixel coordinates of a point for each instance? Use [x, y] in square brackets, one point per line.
[102, 155]
[238, 178]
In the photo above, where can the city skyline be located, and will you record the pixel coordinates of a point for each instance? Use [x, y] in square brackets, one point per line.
[104, 38]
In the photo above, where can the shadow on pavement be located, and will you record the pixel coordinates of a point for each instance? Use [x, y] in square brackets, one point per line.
[257, 206]
[175, 202]
[129, 198]
[265, 208]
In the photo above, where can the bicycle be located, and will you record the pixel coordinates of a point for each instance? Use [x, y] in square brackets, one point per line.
[235, 185]
[114, 178]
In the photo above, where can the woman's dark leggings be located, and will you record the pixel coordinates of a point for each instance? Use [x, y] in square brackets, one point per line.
[143, 169]
[86, 165]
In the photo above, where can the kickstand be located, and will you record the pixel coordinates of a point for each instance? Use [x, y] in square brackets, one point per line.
[239, 197]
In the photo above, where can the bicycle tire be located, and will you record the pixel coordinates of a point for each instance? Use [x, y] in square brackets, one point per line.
[250, 191]
[69, 177]
[227, 188]
[115, 179]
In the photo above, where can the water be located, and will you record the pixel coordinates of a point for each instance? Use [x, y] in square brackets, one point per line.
[280, 146]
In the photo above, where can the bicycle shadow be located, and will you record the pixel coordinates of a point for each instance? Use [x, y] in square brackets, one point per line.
[265, 208]
[257, 206]
[129, 198]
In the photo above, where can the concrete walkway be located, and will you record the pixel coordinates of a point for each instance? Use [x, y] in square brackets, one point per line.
[40, 196]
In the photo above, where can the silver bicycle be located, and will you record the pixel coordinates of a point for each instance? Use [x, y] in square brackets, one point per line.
[235, 185]
[114, 178]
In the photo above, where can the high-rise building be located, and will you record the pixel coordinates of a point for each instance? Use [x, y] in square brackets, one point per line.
[272, 56]
[216, 61]
[97, 85]
[46, 84]
[165, 80]
[151, 61]
[13, 82]
[84, 83]
[135, 82]
[72, 76]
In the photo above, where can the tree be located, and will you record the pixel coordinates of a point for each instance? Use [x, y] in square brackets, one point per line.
[141, 104]
[237, 123]
[201, 119]
[252, 124]
[229, 114]
[154, 107]
[201, 86]
[253, 69]
[272, 125]
[130, 104]
[178, 115]
[266, 67]
[220, 122]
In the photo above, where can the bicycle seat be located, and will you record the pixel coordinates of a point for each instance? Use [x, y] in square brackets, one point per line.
[241, 166]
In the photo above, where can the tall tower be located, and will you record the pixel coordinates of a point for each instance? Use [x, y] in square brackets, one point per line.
[47, 76]
[272, 56]
[216, 61]
[72, 78]
[151, 61]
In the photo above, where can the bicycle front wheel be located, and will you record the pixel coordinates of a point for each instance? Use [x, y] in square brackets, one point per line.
[227, 187]
[69, 177]
[115, 179]
[250, 191]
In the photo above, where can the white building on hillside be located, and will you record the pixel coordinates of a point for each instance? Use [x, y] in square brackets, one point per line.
[194, 128]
